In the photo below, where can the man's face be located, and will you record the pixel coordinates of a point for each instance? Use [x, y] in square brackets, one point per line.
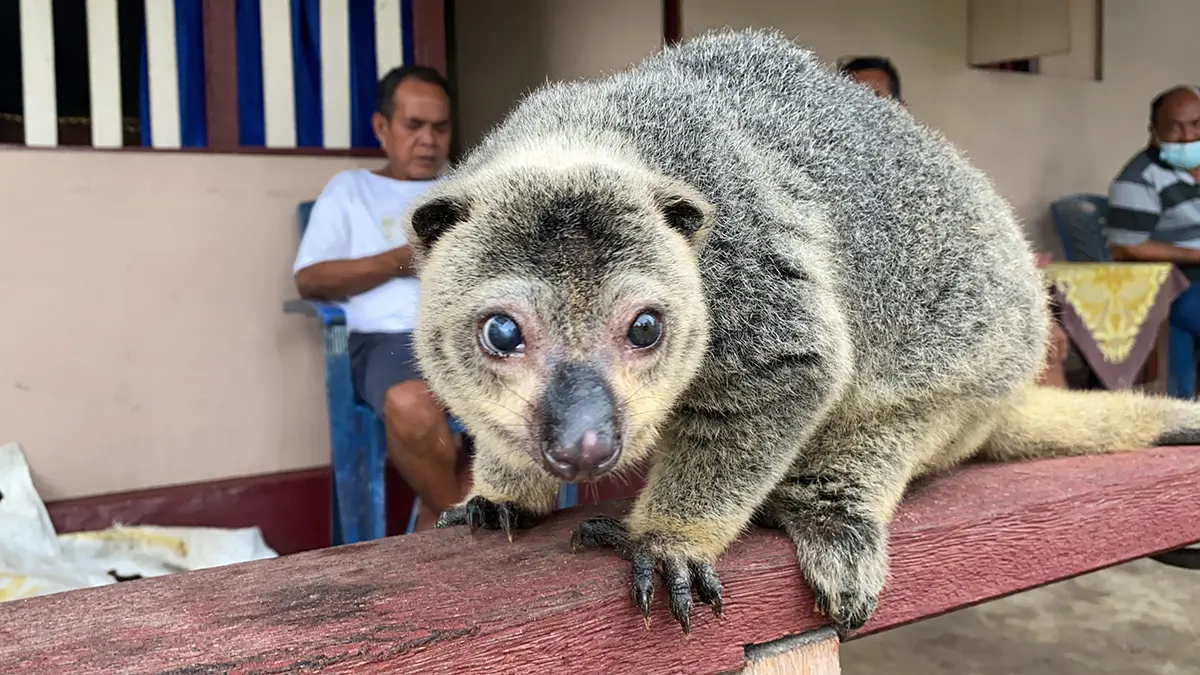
[417, 138]
[1178, 118]
[876, 79]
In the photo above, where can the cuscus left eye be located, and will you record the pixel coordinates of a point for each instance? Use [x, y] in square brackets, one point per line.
[645, 331]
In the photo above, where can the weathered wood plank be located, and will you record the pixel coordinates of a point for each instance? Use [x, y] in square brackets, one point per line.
[429, 34]
[162, 68]
[104, 73]
[39, 91]
[440, 602]
[672, 21]
[279, 84]
[220, 75]
[813, 653]
[335, 73]
[291, 507]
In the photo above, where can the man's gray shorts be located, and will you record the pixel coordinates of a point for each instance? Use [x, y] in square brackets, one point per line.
[379, 361]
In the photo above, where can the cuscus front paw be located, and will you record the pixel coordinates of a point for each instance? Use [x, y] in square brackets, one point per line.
[680, 572]
[844, 562]
[478, 512]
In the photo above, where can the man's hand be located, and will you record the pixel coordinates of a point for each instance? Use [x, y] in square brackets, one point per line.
[400, 258]
[340, 279]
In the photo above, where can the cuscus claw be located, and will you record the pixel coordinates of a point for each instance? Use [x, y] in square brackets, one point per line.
[680, 573]
[481, 513]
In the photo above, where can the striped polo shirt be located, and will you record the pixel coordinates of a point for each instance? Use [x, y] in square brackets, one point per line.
[1151, 200]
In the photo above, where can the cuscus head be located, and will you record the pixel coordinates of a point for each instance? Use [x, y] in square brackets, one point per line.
[562, 309]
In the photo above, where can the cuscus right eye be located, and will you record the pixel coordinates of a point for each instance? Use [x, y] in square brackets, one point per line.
[501, 336]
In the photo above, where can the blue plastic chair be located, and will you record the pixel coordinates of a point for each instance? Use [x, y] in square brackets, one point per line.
[1079, 219]
[357, 440]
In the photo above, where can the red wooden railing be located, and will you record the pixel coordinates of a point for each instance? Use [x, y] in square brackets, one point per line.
[444, 602]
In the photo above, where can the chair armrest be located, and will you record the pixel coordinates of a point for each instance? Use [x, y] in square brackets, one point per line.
[328, 313]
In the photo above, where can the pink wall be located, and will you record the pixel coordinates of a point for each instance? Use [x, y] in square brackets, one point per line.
[142, 340]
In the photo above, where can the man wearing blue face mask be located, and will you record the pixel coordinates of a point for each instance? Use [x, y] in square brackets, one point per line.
[1154, 204]
[1154, 209]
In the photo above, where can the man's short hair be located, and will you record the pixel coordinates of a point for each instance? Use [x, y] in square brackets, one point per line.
[1157, 103]
[385, 91]
[859, 63]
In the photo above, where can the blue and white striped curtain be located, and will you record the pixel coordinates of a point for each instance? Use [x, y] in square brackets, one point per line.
[189, 54]
[306, 72]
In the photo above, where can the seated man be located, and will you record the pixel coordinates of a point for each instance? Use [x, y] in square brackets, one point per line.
[354, 252]
[1154, 212]
[876, 72]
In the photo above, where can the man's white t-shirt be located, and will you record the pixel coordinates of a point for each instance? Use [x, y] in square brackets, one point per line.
[358, 214]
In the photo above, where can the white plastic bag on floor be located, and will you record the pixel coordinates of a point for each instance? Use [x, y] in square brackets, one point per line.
[35, 560]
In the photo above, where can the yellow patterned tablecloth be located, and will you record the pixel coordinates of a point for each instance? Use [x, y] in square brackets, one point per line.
[1113, 310]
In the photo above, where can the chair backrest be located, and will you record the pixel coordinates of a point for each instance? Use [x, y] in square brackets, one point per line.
[1079, 220]
[303, 211]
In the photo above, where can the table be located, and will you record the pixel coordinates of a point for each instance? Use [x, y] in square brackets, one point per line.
[1115, 313]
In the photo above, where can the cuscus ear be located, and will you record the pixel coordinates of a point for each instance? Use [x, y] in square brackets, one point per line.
[435, 217]
[684, 209]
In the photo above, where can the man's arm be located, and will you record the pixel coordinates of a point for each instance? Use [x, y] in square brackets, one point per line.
[340, 279]
[1134, 210]
[1157, 251]
[325, 267]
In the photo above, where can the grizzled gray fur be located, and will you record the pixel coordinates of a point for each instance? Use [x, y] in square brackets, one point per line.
[845, 304]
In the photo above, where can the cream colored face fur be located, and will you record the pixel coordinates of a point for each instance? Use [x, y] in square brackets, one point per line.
[572, 257]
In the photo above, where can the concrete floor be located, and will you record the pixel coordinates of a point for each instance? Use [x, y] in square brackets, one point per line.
[1139, 618]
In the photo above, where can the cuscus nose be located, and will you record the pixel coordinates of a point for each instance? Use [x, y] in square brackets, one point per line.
[578, 411]
[583, 459]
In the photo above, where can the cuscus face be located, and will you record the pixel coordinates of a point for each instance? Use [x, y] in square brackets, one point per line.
[562, 310]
